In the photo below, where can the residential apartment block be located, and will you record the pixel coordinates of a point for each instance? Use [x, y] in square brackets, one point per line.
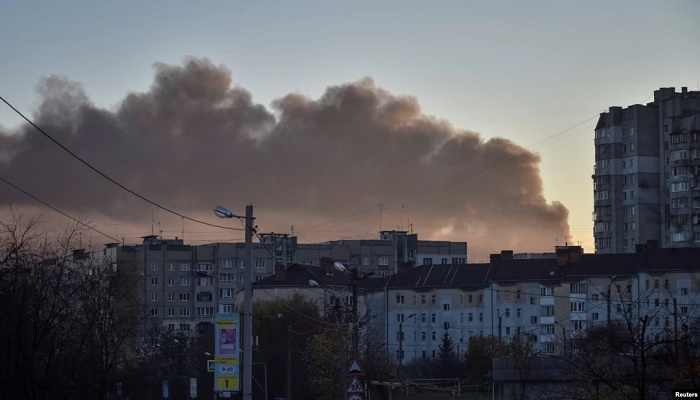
[554, 300]
[183, 286]
[647, 173]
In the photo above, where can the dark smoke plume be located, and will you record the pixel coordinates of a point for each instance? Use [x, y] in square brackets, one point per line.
[194, 140]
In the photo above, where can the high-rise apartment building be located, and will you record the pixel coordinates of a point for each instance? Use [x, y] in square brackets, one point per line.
[647, 173]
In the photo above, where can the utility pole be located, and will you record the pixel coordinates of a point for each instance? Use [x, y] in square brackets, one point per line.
[289, 362]
[355, 327]
[248, 307]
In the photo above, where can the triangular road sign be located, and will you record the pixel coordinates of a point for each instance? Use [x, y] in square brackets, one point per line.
[355, 386]
[355, 369]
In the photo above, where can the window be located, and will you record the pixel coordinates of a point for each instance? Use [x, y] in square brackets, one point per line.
[432, 299]
[546, 311]
[154, 311]
[518, 313]
[154, 281]
[684, 309]
[471, 298]
[656, 302]
[399, 299]
[205, 311]
[545, 291]
[433, 318]
[507, 312]
[184, 327]
[423, 318]
[578, 306]
[225, 293]
[459, 260]
[171, 281]
[533, 319]
[171, 296]
[399, 318]
[154, 266]
[446, 307]
[383, 260]
[226, 308]
[578, 325]
[400, 336]
[422, 299]
[171, 312]
[434, 336]
[481, 317]
[171, 266]
[204, 267]
[470, 317]
[154, 296]
[423, 336]
[184, 297]
[260, 264]
[227, 278]
[204, 281]
[185, 281]
[185, 266]
[443, 261]
[226, 263]
[595, 297]
[533, 300]
[184, 312]
[684, 291]
[578, 287]
[445, 325]
[365, 260]
[594, 316]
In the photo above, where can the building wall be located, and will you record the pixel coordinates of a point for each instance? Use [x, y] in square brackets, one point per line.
[645, 179]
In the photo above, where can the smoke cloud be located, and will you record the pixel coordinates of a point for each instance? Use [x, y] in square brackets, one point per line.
[195, 140]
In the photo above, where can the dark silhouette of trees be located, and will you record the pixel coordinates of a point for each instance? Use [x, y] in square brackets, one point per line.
[70, 319]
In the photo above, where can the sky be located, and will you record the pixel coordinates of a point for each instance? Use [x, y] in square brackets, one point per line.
[466, 121]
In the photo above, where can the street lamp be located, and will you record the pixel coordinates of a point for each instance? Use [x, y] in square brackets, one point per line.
[401, 344]
[612, 279]
[223, 212]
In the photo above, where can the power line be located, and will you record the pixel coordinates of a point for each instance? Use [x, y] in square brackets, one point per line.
[56, 209]
[422, 192]
[107, 177]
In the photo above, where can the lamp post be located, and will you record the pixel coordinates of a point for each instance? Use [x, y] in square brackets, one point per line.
[247, 382]
[612, 279]
[401, 345]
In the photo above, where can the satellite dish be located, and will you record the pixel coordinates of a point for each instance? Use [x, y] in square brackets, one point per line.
[339, 266]
[313, 282]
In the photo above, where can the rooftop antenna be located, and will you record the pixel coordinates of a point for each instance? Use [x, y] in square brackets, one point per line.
[160, 230]
[292, 230]
[152, 220]
[183, 229]
[402, 207]
[380, 216]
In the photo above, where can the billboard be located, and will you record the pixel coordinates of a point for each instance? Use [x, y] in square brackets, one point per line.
[227, 348]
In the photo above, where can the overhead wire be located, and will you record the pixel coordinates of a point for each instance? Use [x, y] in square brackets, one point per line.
[57, 210]
[426, 190]
[110, 179]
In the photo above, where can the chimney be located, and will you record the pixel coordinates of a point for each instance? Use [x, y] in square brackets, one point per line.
[326, 265]
[568, 255]
[653, 244]
[79, 254]
[495, 257]
[279, 272]
[506, 254]
[684, 92]
[640, 247]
